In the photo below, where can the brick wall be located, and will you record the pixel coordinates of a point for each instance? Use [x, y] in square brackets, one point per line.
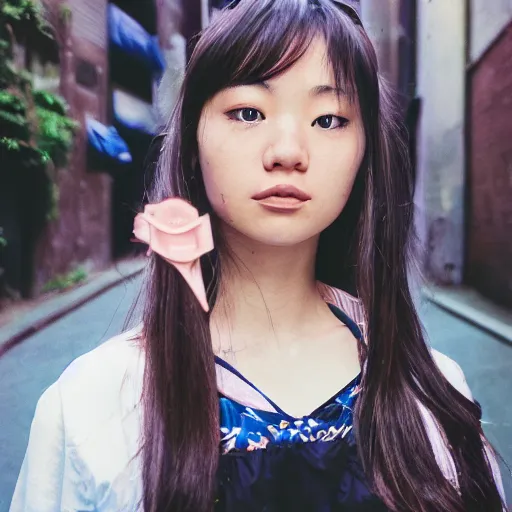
[489, 264]
[81, 234]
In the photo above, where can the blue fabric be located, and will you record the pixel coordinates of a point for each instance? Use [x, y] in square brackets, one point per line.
[245, 428]
[129, 36]
[306, 477]
[133, 114]
[107, 141]
[271, 461]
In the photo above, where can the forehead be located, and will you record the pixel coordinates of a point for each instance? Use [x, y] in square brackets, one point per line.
[311, 69]
[311, 76]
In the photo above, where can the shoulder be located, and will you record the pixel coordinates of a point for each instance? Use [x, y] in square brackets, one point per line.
[455, 376]
[106, 362]
[354, 308]
[350, 305]
[102, 384]
[82, 416]
[452, 372]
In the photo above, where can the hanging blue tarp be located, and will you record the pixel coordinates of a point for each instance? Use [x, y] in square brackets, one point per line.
[133, 113]
[107, 141]
[129, 36]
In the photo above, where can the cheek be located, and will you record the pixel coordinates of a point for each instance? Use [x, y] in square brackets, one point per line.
[210, 161]
[215, 187]
[341, 187]
[220, 178]
[333, 202]
[339, 177]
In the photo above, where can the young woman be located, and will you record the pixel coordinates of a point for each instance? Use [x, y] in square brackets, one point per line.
[268, 388]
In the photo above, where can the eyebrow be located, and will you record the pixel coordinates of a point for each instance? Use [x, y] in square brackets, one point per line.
[319, 90]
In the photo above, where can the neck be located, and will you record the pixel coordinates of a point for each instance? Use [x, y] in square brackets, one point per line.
[265, 289]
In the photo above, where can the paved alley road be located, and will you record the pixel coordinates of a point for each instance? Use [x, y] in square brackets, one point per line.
[487, 365]
[28, 369]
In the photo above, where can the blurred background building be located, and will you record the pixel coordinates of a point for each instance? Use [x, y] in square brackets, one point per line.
[448, 60]
[105, 59]
[82, 102]
[451, 63]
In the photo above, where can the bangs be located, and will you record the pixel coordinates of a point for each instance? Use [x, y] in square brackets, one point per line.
[259, 39]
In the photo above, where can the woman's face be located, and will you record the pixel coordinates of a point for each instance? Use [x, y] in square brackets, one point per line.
[291, 136]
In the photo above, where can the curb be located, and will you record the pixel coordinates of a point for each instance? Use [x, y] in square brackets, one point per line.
[472, 307]
[31, 321]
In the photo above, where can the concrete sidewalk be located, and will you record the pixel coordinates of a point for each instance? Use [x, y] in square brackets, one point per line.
[28, 318]
[469, 305]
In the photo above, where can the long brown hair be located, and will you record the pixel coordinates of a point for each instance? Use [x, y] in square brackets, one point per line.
[364, 251]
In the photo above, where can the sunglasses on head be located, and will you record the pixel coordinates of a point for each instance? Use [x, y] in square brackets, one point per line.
[348, 7]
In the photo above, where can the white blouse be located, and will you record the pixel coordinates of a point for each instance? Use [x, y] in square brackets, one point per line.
[82, 451]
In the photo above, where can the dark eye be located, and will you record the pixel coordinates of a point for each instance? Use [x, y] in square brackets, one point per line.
[331, 122]
[246, 115]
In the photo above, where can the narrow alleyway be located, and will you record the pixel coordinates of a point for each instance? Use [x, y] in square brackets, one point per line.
[486, 362]
[28, 369]
[32, 366]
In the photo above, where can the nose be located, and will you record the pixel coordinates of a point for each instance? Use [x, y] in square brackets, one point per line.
[286, 151]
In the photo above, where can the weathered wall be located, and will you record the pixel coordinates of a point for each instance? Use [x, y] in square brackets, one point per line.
[464, 149]
[489, 267]
[440, 154]
[487, 19]
[193, 17]
[81, 234]
[380, 18]
[173, 43]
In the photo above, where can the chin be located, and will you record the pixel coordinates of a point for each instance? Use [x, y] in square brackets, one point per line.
[278, 231]
[279, 236]
[280, 240]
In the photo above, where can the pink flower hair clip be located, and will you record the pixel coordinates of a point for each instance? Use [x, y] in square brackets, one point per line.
[174, 230]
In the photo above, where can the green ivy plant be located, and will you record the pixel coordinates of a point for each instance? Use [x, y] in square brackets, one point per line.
[65, 13]
[65, 281]
[25, 11]
[35, 129]
[56, 129]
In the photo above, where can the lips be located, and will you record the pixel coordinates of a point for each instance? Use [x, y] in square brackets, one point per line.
[282, 199]
[283, 191]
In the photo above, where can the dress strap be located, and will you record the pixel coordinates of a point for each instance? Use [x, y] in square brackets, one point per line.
[224, 364]
[340, 315]
[343, 317]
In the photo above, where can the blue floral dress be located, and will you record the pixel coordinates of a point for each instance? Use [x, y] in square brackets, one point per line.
[273, 462]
